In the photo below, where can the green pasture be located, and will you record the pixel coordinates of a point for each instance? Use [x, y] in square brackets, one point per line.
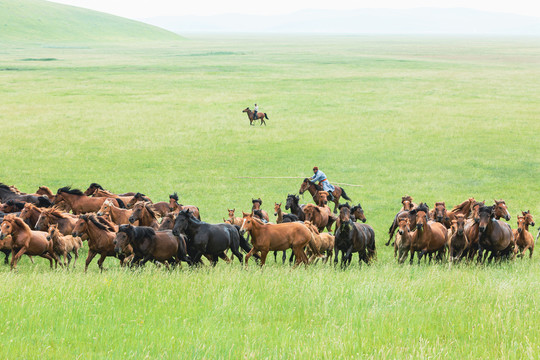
[438, 118]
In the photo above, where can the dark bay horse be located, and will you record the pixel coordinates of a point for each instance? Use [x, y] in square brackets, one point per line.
[256, 208]
[292, 203]
[7, 193]
[144, 214]
[404, 214]
[12, 206]
[358, 213]
[314, 189]
[209, 239]
[95, 187]
[148, 244]
[176, 207]
[495, 235]
[353, 237]
[260, 116]
[458, 243]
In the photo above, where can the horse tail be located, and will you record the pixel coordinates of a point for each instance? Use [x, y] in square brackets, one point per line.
[371, 244]
[243, 242]
[266, 116]
[344, 194]
[120, 203]
[44, 201]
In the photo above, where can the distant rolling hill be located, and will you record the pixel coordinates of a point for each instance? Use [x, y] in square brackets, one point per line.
[43, 21]
[361, 21]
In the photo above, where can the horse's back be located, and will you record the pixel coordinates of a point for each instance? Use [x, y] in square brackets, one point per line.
[38, 243]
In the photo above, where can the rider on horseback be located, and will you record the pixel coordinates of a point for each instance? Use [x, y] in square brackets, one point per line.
[321, 178]
[255, 111]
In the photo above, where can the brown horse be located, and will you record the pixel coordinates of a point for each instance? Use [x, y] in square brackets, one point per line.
[471, 229]
[402, 245]
[45, 191]
[495, 235]
[404, 214]
[115, 214]
[277, 237]
[430, 237]
[176, 207]
[458, 243]
[440, 215]
[25, 241]
[80, 203]
[463, 208]
[66, 222]
[358, 213]
[234, 220]
[256, 209]
[323, 198]
[63, 245]
[141, 197]
[100, 238]
[321, 217]
[94, 187]
[167, 222]
[260, 116]
[30, 214]
[12, 206]
[407, 202]
[523, 238]
[143, 213]
[500, 210]
[314, 191]
[324, 242]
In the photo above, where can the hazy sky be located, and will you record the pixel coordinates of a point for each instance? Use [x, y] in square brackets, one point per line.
[139, 9]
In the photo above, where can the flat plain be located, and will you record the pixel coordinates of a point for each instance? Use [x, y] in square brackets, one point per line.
[438, 118]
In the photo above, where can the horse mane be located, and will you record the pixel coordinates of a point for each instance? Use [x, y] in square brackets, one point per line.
[45, 188]
[174, 196]
[422, 207]
[19, 222]
[94, 219]
[69, 190]
[486, 209]
[253, 201]
[139, 195]
[459, 207]
[54, 212]
[406, 198]
[148, 207]
[97, 186]
[5, 187]
[356, 207]
[344, 205]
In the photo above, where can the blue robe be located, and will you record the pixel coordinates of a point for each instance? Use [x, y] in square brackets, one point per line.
[319, 176]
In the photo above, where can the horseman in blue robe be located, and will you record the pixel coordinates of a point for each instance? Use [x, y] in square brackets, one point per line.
[319, 176]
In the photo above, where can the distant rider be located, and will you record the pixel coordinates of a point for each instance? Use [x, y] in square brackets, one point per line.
[321, 178]
[255, 111]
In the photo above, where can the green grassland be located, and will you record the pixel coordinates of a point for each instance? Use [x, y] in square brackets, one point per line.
[439, 118]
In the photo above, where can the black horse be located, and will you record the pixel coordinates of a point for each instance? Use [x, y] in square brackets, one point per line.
[209, 239]
[149, 244]
[296, 209]
[7, 194]
[353, 237]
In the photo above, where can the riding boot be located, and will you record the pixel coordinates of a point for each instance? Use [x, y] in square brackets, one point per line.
[330, 196]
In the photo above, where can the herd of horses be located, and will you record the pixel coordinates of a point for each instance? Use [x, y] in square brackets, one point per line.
[135, 230]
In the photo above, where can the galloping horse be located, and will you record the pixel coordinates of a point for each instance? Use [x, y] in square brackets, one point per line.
[321, 217]
[80, 203]
[277, 237]
[457, 239]
[296, 209]
[495, 235]
[66, 222]
[143, 213]
[323, 241]
[100, 238]
[7, 193]
[209, 239]
[429, 237]
[63, 245]
[25, 241]
[260, 116]
[353, 237]
[440, 215]
[523, 238]
[30, 214]
[176, 207]
[256, 209]
[115, 214]
[402, 245]
[95, 186]
[314, 189]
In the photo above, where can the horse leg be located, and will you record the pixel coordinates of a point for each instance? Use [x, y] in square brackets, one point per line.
[291, 258]
[238, 255]
[89, 258]
[76, 252]
[51, 258]
[336, 204]
[348, 255]
[264, 253]
[15, 257]
[6, 259]
[100, 261]
[284, 257]
[248, 255]
[411, 261]
[336, 250]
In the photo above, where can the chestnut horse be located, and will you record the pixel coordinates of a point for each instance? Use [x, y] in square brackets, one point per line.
[321, 217]
[402, 245]
[45, 191]
[358, 213]
[314, 190]
[260, 116]
[12, 206]
[277, 237]
[25, 241]
[80, 203]
[523, 238]
[66, 222]
[323, 241]
[471, 229]
[100, 238]
[500, 210]
[410, 214]
[234, 220]
[30, 214]
[142, 212]
[95, 187]
[167, 222]
[464, 208]
[115, 214]
[430, 237]
[407, 202]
